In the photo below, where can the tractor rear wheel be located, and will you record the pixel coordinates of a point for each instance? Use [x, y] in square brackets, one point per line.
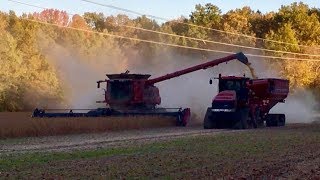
[241, 119]
[257, 121]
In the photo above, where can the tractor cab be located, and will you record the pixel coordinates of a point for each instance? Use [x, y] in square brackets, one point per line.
[233, 83]
[232, 93]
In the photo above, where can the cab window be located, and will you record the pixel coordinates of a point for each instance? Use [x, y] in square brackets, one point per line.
[120, 90]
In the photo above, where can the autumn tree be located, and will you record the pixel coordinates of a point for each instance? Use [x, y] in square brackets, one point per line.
[238, 21]
[53, 16]
[78, 22]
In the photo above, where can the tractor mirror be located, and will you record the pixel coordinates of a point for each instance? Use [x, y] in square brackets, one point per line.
[98, 86]
[210, 82]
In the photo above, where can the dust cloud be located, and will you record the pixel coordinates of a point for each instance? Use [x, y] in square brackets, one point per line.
[298, 108]
[78, 76]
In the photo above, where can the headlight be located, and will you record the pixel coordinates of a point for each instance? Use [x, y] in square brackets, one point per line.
[223, 110]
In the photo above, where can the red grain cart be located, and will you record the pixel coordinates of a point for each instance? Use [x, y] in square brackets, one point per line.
[245, 103]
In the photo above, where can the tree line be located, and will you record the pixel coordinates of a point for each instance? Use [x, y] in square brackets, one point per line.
[28, 77]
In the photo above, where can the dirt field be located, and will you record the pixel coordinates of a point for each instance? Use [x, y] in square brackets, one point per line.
[68, 143]
[290, 152]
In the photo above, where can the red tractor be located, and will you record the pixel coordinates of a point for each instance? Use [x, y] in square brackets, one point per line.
[244, 103]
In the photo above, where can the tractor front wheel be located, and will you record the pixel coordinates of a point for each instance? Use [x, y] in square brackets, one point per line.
[208, 122]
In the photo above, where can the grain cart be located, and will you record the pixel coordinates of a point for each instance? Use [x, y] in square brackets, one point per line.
[243, 103]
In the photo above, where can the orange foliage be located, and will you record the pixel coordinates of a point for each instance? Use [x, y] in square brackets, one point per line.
[53, 16]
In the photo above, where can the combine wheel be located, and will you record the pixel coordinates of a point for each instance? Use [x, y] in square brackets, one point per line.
[208, 123]
[184, 117]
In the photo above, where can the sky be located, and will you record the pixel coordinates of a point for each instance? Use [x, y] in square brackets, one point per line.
[168, 9]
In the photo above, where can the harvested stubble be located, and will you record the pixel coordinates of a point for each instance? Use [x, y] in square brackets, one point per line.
[20, 124]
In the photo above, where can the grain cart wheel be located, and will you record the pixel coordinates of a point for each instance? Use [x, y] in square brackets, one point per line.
[208, 122]
[282, 120]
[272, 120]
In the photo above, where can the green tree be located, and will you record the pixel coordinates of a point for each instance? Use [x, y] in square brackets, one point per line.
[284, 34]
[28, 69]
[306, 25]
[95, 20]
[11, 74]
[208, 15]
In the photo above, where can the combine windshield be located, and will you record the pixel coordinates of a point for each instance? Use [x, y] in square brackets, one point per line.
[120, 90]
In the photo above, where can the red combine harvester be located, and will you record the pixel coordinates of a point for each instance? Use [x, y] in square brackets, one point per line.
[135, 94]
[245, 103]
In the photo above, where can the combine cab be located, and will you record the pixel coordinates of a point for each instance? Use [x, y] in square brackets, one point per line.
[245, 103]
[135, 94]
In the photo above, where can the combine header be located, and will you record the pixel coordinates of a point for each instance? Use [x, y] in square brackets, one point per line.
[245, 103]
[135, 94]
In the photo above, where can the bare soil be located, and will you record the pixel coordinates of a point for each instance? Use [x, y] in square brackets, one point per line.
[89, 141]
[290, 152]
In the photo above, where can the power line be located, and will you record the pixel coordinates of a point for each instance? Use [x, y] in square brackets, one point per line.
[164, 44]
[188, 37]
[189, 24]
[221, 43]
[27, 4]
